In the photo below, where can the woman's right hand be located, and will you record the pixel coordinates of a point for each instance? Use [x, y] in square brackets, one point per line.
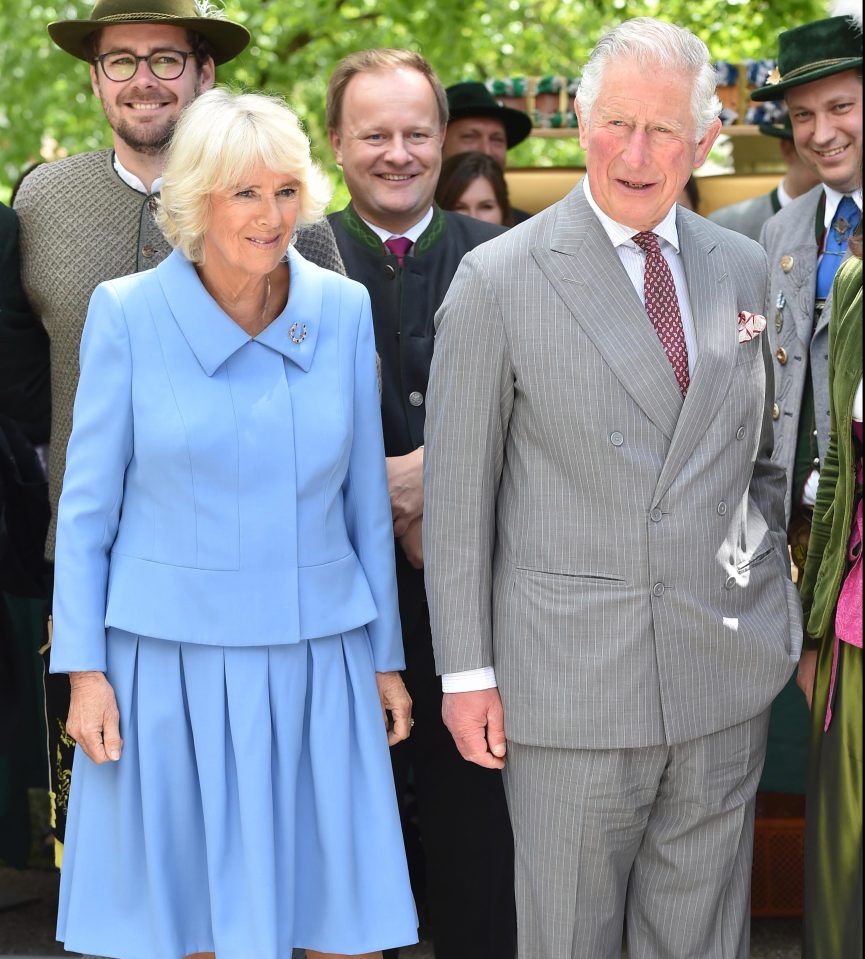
[94, 720]
[806, 672]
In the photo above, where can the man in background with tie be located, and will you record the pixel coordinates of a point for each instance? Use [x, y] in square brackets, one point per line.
[606, 553]
[819, 75]
[386, 117]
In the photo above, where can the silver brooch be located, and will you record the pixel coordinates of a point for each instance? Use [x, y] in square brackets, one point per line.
[293, 335]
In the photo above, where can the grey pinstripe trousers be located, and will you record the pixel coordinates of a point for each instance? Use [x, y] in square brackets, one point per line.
[654, 840]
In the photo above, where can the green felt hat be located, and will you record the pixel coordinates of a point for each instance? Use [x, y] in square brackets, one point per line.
[227, 39]
[472, 99]
[783, 129]
[811, 52]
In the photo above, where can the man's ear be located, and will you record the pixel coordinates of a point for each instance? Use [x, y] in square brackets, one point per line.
[582, 126]
[706, 142]
[207, 75]
[94, 81]
[335, 145]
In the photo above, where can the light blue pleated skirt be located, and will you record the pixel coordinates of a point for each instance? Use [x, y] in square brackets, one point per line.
[252, 810]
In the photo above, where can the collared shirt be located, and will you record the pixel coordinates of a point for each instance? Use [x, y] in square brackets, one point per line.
[834, 198]
[783, 196]
[130, 179]
[413, 233]
[634, 261]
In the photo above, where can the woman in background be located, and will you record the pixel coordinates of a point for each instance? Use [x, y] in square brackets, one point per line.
[830, 670]
[473, 184]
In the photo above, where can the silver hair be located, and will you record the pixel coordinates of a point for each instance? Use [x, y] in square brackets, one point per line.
[653, 43]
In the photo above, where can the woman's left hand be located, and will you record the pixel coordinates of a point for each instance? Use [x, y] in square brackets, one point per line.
[395, 700]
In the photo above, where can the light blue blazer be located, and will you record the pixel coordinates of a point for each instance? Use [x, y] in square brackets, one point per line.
[221, 489]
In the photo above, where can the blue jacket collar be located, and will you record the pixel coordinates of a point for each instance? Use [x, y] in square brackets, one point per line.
[213, 336]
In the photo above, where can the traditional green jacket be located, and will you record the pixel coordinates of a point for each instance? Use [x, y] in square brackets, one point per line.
[833, 511]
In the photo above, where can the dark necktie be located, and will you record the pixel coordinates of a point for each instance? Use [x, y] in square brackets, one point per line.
[846, 219]
[662, 306]
[399, 246]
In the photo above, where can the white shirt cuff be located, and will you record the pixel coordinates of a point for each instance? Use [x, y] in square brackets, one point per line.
[809, 492]
[469, 680]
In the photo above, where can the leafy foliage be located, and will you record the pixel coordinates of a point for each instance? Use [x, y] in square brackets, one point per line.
[47, 109]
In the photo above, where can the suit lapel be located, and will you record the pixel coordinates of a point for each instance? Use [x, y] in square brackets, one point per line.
[714, 311]
[585, 271]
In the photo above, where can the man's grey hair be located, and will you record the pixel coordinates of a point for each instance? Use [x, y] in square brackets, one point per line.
[654, 43]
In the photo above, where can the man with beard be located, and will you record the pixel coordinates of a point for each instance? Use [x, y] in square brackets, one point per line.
[90, 218]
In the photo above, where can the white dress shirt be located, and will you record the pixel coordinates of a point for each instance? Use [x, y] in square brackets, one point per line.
[633, 259]
[130, 179]
[412, 233]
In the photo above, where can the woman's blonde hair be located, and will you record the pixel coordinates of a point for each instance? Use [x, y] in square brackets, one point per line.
[220, 138]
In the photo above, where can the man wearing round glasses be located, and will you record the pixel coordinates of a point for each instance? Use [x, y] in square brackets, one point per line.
[90, 218]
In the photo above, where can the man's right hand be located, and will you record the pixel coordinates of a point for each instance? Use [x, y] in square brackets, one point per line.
[476, 721]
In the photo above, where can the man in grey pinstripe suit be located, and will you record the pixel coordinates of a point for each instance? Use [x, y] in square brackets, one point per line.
[604, 530]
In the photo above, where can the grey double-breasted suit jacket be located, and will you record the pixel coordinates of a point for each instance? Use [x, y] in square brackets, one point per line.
[618, 556]
[789, 240]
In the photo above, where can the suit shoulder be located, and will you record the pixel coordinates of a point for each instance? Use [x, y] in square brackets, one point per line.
[734, 214]
[515, 243]
[797, 212]
[467, 232]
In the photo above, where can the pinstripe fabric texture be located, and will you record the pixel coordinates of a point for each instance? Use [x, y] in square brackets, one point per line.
[663, 838]
[617, 552]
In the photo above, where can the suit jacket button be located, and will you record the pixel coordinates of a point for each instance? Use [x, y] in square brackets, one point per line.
[722, 508]
[147, 251]
[656, 515]
[389, 271]
[776, 411]
[616, 438]
[731, 582]
[658, 589]
[740, 433]
[415, 398]
[781, 355]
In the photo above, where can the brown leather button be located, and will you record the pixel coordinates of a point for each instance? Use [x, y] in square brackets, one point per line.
[147, 251]
[781, 355]
[151, 204]
[776, 411]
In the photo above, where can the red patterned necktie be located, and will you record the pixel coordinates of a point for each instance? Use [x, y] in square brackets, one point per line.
[662, 305]
[399, 246]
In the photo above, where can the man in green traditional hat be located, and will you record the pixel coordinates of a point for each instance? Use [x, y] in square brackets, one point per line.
[748, 216]
[90, 217]
[477, 121]
[819, 76]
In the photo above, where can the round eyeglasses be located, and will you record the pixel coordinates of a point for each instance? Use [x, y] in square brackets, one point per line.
[120, 65]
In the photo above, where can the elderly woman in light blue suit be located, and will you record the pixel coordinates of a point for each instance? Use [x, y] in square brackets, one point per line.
[225, 601]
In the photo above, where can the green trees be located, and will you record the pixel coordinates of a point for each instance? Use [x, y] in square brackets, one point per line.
[47, 109]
